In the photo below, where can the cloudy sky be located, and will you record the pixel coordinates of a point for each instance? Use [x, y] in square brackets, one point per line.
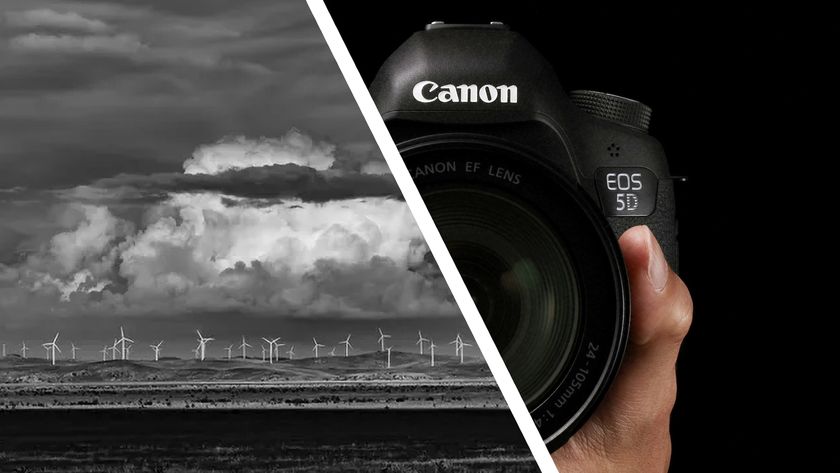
[174, 165]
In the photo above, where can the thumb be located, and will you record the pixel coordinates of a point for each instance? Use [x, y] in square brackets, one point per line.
[645, 388]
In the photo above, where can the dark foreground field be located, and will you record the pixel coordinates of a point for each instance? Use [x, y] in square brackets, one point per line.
[438, 440]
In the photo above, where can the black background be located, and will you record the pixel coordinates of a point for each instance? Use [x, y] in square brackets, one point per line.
[733, 97]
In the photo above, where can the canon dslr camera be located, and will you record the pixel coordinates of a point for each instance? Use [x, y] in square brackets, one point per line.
[529, 187]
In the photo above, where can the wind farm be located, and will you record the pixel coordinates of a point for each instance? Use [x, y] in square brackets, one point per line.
[331, 374]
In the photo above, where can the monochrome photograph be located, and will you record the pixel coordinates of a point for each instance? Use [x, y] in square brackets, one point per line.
[205, 262]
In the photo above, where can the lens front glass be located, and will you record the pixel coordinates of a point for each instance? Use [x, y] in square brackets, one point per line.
[519, 274]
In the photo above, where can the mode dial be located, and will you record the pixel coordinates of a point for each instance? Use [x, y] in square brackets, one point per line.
[619, 109]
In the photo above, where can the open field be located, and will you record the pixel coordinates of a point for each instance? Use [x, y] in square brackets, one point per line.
[355, 382]
[367, 366]
[280, 395]
[126, 441]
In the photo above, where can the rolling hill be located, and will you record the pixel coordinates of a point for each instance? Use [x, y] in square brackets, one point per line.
[366, 366]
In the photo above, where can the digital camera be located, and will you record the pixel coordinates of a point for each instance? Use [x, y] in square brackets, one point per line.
[529, 187]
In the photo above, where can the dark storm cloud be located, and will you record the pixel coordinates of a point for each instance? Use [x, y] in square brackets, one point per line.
[83, 84]
[150, 167]
[267, 182]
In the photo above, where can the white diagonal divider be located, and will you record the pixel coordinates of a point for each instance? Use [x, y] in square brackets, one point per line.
[432, 236]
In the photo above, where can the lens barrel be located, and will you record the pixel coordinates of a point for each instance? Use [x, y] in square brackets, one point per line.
[541, 264]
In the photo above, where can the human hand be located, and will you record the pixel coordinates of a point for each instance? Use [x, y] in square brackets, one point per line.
[629, 432]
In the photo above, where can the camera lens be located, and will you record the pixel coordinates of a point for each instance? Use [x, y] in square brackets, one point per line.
[520, 276]
[541, 263]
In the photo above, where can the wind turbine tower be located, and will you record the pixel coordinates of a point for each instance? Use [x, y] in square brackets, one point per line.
[202, 343]
[421, 341]
[23, 349]
[315, 348]
[457, 343]
[52, 347]
[389, 357]
[291, 352]
[73, 350]
[277, 346]
[463, 344]
[271, 348]
[432, 351]
[244, 346]
[104, 352]
[347, 346]
[382, 337]
[263, 351]
[122, 341]
[156, 349]
[228, 349]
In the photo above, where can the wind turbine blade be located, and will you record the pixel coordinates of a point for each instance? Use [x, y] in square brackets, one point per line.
[56, 347]
[56, 338]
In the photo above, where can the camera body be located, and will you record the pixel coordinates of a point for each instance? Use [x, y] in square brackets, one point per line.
[486, 91]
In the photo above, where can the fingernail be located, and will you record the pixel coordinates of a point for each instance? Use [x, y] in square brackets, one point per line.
[657, 266]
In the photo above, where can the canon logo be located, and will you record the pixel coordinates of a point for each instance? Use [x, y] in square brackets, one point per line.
[428, 91]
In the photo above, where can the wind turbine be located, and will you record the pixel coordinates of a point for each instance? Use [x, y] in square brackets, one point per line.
[73, 350]
[263, 351]
[244, 346]
[156, 348]
[23, 349]
[104, 352]
[202, 343]
[432, 351]
[421, 341]
[457, 343]
[291, 352]
[332, 352]
[277, 350]
[382, 338]
[122, 341]
[47, 350]
[128, 352]
[389, 357]
[347, 346]
[228, 349]
[315, 348]
[270, 348]
[195, 351]
[114, 350]
[463, 344]
[52, 347]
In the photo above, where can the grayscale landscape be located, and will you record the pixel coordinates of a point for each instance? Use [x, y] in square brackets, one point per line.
[354, 382]
[182, 184]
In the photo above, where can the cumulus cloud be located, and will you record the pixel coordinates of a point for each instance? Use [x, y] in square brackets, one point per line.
[335, 244]
[120, 44]
[96, 229]
[47, 18]
[240, 152]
